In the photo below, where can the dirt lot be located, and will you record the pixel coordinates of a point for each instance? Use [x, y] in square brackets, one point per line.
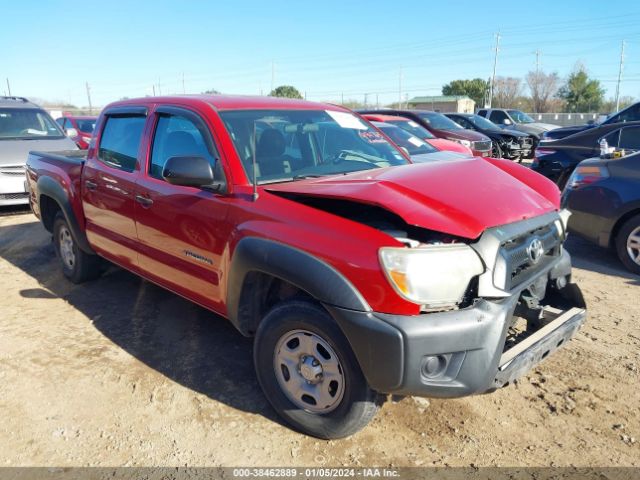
[121, 372]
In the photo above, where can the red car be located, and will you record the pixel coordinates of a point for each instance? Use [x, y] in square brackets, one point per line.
[420, 132]
[359, 274]
[78, 128]
[443, 127]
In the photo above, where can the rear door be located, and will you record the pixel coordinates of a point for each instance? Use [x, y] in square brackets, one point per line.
[108, 185]
[182, 231]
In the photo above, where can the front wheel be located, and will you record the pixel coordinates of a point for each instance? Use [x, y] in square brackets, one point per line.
[496, 151]
[309, 373]
[628, 244]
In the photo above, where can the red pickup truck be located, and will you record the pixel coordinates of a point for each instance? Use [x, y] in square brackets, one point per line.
[359, 274]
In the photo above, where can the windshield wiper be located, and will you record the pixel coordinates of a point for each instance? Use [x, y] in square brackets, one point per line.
[311, 175]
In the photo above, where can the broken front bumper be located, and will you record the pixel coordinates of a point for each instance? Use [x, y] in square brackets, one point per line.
[461, 352]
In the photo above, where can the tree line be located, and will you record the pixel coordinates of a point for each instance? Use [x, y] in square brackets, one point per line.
[540, 92]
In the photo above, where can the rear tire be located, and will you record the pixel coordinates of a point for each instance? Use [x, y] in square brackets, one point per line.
[77, 266]
[628, 244]
[309, 373]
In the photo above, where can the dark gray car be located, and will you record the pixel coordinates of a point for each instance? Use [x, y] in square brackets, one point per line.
[24, 126]
[603, 195]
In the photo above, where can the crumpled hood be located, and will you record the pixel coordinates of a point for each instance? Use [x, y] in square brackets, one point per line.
[15, 152]
[461, 197]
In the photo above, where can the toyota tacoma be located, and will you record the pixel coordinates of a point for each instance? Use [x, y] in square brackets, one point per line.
[359, 274]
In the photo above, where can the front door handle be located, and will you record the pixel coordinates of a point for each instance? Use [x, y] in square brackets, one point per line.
[144, 201]
[91, 185]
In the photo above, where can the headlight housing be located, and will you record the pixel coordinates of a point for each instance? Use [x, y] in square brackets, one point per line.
[435, 276]
[466, 143]
[562, 222]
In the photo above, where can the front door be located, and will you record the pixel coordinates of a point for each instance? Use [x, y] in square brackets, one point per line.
[182, 230]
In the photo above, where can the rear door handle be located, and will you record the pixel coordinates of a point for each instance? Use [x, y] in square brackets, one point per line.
[91, 185]
[144, 201]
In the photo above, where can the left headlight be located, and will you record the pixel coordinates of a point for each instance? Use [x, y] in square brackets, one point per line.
[436, 276]
[466, 143]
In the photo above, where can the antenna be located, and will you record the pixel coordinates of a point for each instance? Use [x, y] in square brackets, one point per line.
[254, 165]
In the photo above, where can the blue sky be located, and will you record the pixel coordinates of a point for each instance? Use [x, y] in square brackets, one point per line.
[328, 49]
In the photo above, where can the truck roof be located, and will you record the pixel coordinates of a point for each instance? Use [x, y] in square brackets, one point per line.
[236, 102]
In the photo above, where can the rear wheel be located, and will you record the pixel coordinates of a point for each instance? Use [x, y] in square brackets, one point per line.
[309, 373]
[628, 244]
[77, 266]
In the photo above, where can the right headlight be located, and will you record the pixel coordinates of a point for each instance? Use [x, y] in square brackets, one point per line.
[436, 276]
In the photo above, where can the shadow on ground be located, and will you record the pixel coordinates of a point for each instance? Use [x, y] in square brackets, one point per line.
[182, 341]
[588, 256]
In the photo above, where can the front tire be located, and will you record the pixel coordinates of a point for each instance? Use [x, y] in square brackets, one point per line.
[628, 244]
[77, 266]
[496, 151]
[309, 373]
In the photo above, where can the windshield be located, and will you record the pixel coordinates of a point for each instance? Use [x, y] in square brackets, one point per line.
[294, 144]
[404, 139]
[27, 123]
[439, 121]
[86, 126]
[412, 127]
[520, 117]
[482, 123]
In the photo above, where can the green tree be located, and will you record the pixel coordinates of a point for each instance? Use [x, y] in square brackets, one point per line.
[286, 91]
[475, 89]
[581, 93]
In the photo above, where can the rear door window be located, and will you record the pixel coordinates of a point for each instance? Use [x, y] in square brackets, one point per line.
[120, 141]
[498, 117]
[630, 138]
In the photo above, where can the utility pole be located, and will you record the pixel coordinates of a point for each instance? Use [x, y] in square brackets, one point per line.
[495, 65]
[400, 88]
[365, 100]
[619, 77]
[153, 87]
[183, 89]
[8, 87]
[89, 97]
[377, 102]
[273, 75]
[342, 97]
[537, 52]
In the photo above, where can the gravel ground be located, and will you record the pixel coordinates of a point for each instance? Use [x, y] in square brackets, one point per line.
[120, 372]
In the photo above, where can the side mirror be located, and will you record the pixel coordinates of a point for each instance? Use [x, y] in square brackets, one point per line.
[188, 171]
[506, 121]
[71, 132]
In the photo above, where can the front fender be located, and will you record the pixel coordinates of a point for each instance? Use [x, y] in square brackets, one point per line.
[312, 275]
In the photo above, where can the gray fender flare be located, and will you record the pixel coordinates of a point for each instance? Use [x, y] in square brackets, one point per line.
[49, 187]
[310, 274]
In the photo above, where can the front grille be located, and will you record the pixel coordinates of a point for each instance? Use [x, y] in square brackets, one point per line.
[481, 146]
[518, 265]
[14, 196]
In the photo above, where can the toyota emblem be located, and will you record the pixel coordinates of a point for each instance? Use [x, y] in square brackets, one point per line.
[535, 250]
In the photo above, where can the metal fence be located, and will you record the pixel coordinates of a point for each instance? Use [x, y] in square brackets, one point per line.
[564, 119]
